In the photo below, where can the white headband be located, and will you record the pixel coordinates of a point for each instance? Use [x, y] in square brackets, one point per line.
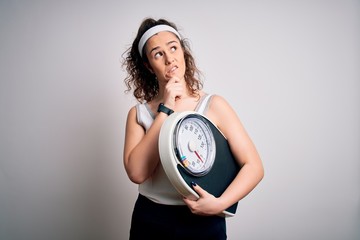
[152, 31]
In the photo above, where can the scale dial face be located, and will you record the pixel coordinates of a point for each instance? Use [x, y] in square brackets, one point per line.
[194, 145]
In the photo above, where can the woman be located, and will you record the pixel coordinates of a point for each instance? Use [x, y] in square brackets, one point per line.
[163, 74]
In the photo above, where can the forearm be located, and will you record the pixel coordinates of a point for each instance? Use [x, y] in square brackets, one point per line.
[144, 157]
[245, 181]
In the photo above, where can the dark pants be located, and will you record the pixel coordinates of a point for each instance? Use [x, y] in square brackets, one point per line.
[156, 221]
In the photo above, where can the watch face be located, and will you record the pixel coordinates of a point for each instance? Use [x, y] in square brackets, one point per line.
[194, 145]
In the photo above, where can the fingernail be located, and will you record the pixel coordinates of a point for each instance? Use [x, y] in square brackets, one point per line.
[193, 184]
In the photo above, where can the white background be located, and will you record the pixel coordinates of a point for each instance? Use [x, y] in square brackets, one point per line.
[290, 69]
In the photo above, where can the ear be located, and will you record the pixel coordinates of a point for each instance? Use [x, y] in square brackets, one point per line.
[147, 65]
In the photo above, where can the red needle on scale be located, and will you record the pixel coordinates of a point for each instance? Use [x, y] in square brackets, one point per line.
[198, 156]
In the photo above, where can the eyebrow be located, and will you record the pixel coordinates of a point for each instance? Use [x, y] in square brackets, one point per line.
[168, 43]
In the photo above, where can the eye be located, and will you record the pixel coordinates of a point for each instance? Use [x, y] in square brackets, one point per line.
[173, 48]
[158, 55]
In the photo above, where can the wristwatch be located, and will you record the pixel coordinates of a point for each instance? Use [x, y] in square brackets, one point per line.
[164, 109]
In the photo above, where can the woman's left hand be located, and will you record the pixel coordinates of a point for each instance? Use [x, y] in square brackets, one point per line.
[207, 204]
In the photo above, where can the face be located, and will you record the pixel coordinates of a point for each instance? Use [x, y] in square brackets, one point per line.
[165, 55]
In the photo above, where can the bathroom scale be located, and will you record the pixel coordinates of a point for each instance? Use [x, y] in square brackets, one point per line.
[193, 149]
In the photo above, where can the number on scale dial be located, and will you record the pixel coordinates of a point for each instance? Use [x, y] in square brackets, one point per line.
[195, 145]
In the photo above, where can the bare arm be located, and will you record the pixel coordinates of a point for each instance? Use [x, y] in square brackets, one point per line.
[141, 154]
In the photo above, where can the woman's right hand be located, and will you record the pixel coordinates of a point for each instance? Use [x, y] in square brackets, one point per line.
[174, 90]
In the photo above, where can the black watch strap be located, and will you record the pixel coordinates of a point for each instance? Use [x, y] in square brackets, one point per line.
[164, 109]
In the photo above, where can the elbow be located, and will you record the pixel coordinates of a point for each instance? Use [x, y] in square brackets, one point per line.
[258, 171]
[136, 176]
[134, 172]
[261, 172]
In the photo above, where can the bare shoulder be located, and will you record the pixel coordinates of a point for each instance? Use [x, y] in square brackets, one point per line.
[220, 110]
[218, 101]
[132, 112]
[132, 117]
[133, 128]
[224, 117]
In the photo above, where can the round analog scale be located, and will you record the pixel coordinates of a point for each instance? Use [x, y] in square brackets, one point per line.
[193, 149]
[195, 145]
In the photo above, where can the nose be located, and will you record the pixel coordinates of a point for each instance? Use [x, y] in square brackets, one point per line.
[169, 58]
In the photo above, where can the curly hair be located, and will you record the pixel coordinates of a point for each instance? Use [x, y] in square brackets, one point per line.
[140, 79]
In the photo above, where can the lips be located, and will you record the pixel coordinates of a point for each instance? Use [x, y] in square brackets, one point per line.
[171, 71]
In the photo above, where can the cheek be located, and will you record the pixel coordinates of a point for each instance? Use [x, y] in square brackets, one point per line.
[182, 58]
[183, 62]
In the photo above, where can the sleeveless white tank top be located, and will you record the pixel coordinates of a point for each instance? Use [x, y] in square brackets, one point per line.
[158, 188]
